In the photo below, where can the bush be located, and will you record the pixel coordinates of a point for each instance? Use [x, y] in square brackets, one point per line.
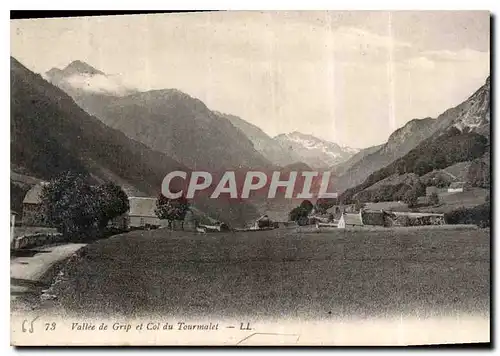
[411, 197]
[434, 199]
[479, 215]
[172, 209]
[79, 210]
[300, 213]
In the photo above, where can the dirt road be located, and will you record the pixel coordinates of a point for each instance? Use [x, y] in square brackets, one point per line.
[29, 271]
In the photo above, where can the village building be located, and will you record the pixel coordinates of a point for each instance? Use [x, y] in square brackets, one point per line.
[348, 220]
[337, 210]
[389, 218]
[32, 204]
[262, 222]
[142, 213]
[279, 218]
[456, 187]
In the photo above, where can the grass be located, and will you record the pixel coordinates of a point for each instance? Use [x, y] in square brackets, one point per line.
[447, 202]
[451, 201]
[388, 205]
[282, 273]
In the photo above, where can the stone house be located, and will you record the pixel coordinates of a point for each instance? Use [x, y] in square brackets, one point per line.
[31, 214]
[141, 213]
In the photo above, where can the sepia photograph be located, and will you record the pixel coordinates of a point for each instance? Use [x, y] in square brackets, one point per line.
[250, 178]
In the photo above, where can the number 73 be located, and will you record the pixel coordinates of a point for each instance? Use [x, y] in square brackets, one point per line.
[50, 326]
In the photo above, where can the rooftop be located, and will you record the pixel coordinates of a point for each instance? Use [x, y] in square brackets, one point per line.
[142, 206]
[352, 219]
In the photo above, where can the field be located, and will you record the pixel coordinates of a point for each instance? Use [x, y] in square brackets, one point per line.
[447, 202]
[282, 273]
[452, 201]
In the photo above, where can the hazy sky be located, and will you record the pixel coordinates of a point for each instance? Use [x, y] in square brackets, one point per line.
[349, 77]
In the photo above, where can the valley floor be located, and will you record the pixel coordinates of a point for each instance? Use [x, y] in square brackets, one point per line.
[282, 273]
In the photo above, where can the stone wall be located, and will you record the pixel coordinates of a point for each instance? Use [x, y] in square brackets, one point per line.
[405, 220]
[36, 240]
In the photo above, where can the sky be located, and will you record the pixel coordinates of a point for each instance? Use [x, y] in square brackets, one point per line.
[349, 77]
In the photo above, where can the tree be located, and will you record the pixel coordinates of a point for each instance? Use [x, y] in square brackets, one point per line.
[172, 209]
[112, 202]
[358, 206]
[300, 213]
[411, 197]
[422, 167]
[71, 205]
[323, 204]
[478, 174]
[433, 199]
[307, 206]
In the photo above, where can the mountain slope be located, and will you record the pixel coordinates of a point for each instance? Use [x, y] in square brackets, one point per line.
[341, 168]
[51, 134]
[434, 153]
[313, 151]
[171, 122]
[266, 145]
[473, 114]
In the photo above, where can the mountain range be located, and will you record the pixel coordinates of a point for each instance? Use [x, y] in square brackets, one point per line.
[315, 152]
[473, 114]
[50, 134]
[83, 119]
[173, 122]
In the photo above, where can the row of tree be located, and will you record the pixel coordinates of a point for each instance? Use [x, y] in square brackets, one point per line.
[78, 209]
[82, 211]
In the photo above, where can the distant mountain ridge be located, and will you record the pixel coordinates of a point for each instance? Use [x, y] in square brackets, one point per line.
[314, 151]
[472, 114]
[169, 121]
[266, 145]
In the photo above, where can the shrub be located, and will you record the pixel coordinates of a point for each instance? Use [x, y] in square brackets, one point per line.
[479, 215]
[300, 213]
[433, 198]
[79, 210]
[172, 209]
[411, 197]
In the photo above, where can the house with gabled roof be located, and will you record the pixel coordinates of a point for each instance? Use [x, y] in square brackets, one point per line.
[31, 214]
[350, 220]
[142, 212]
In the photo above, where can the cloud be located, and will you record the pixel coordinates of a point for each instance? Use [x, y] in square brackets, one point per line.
[463, 55]
[355, 38]
[420, 63]
[100, 84]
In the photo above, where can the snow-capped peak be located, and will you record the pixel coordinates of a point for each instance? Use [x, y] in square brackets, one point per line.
[315, 151]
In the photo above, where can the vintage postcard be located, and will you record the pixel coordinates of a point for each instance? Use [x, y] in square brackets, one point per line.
[251, 178]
